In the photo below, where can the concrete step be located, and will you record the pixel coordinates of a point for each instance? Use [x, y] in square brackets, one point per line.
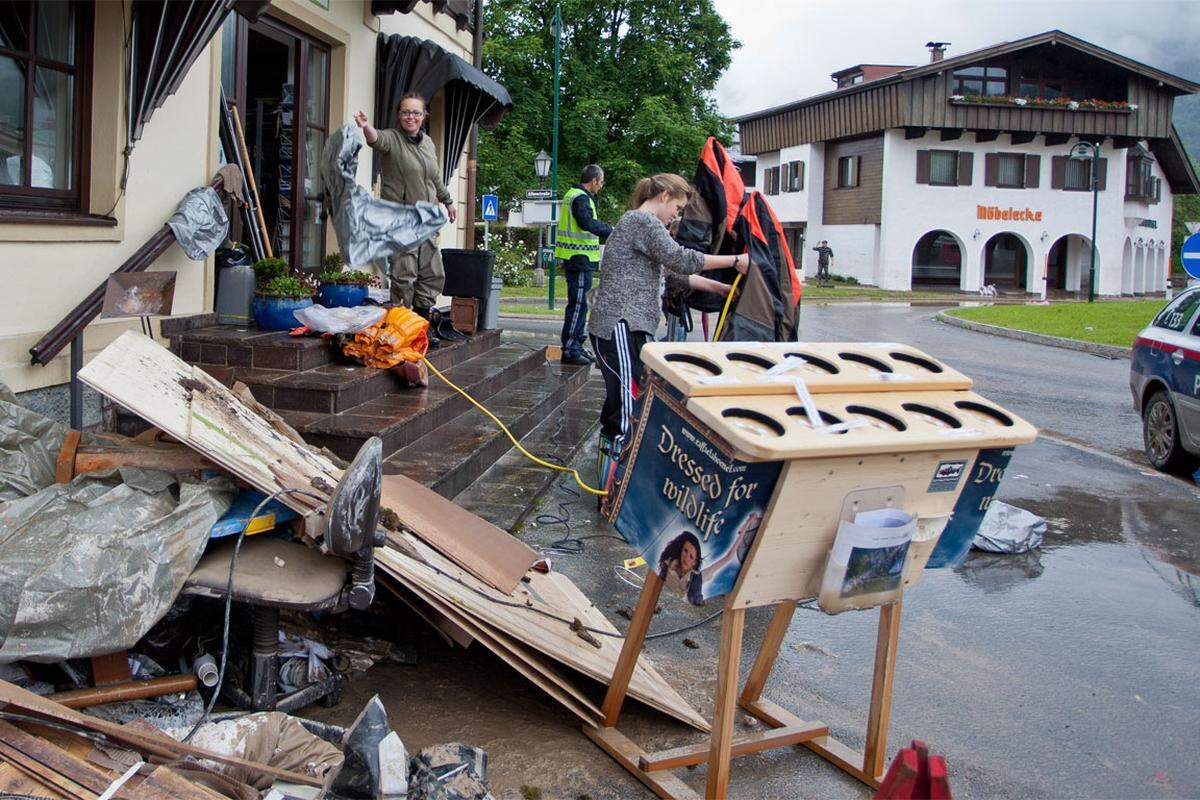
[330, 387]
[453, 456]
[400, 417]
[508, 491]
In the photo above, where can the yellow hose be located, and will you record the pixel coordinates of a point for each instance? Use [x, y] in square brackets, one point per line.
[507, 432]
[725, 311]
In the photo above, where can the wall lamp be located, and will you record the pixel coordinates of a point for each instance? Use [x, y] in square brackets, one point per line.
[976, 234]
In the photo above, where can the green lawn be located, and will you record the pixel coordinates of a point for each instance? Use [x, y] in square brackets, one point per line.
[1107, 322]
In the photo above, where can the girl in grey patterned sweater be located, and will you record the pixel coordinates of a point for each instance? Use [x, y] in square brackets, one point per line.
[625, 312]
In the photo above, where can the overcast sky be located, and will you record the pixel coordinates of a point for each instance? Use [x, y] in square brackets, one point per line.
[789, 47]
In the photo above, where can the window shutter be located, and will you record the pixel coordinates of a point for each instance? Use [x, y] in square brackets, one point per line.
[855, 169]
[785, 175]
[922, 166]
[1157, 190]
[991, 169]
[1058, 171]
[800, 182]
[1033, 171]
[966, 162]
[1101, 173]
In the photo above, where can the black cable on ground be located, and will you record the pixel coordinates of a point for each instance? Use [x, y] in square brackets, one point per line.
[237, 547]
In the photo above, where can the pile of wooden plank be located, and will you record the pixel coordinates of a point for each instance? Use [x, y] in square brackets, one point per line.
[473, 581]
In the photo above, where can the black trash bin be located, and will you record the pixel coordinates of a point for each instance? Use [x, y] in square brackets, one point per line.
[469, 274]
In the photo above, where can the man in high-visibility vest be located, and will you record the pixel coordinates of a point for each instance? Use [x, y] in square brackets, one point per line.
[577, 246]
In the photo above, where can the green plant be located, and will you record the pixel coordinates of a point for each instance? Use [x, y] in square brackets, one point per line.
[288, 286]
[332, 263]
[267, 270]
[340, 275]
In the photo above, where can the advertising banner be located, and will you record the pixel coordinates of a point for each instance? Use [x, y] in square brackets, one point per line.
[687, 504]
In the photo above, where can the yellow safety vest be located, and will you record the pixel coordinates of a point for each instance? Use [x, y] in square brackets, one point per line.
[573, 240]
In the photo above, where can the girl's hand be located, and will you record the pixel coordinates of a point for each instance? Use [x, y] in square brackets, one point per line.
[361, 119]
[702, 284]
[741, 262]
[451, 211]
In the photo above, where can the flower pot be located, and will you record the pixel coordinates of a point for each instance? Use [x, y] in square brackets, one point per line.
[275, 313]
[343, 295]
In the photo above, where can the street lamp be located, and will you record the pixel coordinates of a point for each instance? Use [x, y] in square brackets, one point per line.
[541, 166]
[1079, 152]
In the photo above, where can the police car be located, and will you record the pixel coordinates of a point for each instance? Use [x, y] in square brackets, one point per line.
[1164, 376]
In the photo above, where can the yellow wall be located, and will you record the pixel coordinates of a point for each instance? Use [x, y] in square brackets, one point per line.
[48, 269]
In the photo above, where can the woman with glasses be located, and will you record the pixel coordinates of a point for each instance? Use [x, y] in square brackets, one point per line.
[410, 174]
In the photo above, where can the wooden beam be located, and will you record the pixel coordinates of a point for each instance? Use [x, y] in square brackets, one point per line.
[950, 134]
[840, 755]
[111, 669]
[664, 784]
[914, 132]
[64, 465]
[635, 637]
[880, 713]
[768, 651]
[986, 136]
[1022, 137]
[168, 457]
[733, 623]
[690, 755]
[133, 690]
[1057, 139]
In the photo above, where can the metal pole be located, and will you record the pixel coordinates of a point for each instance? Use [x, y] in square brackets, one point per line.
[554, 151]
[76, 384]
[487, 242]
[1095, 205]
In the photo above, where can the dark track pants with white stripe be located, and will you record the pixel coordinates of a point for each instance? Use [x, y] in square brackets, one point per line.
[579, 283]
[620, 361]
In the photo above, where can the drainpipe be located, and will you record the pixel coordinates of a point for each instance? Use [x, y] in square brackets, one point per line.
[473, 150]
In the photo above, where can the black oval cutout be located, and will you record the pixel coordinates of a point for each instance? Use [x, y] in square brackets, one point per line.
[930, 411]
[754, 416]
[876, 414]
[817, 362]
[866, 361]
[993, 413]
[826, 417]
[695, 361]
[750, 358]
[917, 361]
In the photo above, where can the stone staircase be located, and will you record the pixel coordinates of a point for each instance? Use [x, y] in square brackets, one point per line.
[432, 434]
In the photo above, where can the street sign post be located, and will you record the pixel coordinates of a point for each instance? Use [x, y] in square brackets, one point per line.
[1190, 255]
[491, 213]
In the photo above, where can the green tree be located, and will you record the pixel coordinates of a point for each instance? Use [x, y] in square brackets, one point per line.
[636, 96]
[1187, 209]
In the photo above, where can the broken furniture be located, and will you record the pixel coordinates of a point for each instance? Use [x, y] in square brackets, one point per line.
[853, 427]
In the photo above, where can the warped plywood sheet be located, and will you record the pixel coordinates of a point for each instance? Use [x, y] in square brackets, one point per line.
[195, 408]
[537, 614]
[487, 552]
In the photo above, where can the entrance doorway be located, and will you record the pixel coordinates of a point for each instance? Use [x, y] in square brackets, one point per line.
[279, 80]
[937, 260]
[1056, 265]
[793, 234]
[1005, 261]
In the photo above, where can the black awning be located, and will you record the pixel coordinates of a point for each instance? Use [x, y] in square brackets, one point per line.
[165, 39]
[459, 10]
[407, 64]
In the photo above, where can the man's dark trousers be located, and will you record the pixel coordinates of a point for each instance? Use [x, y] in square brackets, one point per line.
[578, 271]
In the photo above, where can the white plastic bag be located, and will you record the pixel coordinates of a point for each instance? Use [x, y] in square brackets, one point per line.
[339, 320]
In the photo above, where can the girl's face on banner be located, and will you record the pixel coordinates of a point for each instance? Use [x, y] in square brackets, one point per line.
[687, 557]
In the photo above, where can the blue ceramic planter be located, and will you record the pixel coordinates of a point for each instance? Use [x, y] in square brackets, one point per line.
[275, 313]
[343, 295]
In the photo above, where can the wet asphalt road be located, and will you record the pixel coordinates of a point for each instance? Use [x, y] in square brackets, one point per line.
[1068, 672]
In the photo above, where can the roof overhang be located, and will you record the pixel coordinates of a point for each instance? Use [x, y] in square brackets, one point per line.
[1175, 164]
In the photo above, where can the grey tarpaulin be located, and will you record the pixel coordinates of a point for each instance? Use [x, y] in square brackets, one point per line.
[87, 567]
[1008, 529]
[200, 223]
[369, 229]
[29, 445]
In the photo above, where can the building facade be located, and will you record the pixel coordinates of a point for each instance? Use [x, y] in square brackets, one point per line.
[959, 173]
[73, 208]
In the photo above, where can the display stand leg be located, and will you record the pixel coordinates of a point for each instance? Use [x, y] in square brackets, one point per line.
[720, 750]
[772, 641]
[875, 751]
[635, 637]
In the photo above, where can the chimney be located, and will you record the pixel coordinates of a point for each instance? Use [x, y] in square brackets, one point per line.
[937, 51]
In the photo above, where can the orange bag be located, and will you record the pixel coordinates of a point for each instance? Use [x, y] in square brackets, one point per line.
[403, 335]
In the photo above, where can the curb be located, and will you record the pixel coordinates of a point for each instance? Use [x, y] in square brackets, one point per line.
[1092, 348]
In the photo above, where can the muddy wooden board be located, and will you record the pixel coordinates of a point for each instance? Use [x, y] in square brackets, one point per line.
[490, 554]
[707, 369]
[518, 617]
[199, 411]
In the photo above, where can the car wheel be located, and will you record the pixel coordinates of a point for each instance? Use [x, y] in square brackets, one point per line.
[1160, 436]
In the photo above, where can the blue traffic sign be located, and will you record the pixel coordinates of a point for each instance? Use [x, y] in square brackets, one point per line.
[1190, 253]
[491, 207]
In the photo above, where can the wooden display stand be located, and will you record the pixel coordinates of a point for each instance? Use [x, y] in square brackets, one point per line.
[931, 421]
